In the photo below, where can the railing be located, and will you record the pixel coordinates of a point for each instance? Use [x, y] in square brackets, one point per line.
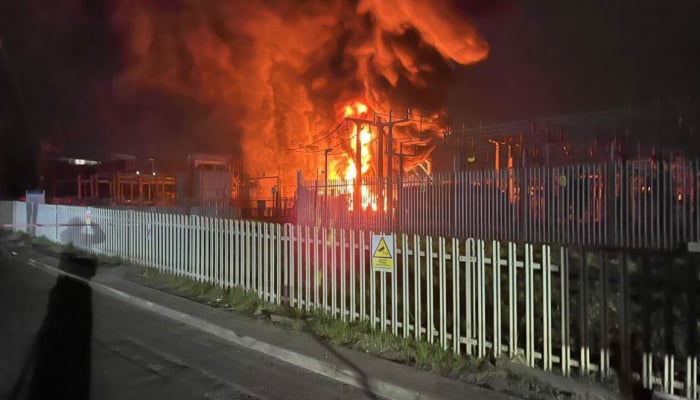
[554, 309]
[202, 211]
[636, 204]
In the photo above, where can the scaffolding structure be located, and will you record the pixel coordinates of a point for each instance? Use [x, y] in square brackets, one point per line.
[127, 189]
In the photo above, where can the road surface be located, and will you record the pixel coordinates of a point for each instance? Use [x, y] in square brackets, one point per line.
[58, 338]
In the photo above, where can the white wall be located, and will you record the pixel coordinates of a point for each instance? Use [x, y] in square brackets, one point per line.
[46, 215]
[7, 215]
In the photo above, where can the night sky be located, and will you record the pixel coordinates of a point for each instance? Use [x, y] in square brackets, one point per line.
[567, 56]
[547, 57]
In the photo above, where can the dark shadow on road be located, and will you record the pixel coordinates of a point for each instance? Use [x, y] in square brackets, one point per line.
[58, 365]
[333, 351]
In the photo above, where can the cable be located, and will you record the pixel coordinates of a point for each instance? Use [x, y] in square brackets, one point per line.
[334, 130]
[335, 146]
[310, 144]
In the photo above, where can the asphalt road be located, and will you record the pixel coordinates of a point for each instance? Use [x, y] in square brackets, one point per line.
[59, 339]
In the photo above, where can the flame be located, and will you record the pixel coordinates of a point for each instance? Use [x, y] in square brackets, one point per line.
[264, 79]
[357, 109]
[348, 173]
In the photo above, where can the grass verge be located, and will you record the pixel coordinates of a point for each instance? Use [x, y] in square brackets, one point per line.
[46, 246]
[503, 375]
[103, 260]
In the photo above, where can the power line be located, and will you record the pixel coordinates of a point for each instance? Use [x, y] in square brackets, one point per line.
[336, 146]
[428, 120]
[312, 143]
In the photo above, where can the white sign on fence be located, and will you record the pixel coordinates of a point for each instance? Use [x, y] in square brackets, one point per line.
[383, 253]
[88, 217]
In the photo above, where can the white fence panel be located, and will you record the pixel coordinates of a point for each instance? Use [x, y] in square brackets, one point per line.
[46, 216]
[7, 213]
[20, 216]
[470, 296]
[71, 229]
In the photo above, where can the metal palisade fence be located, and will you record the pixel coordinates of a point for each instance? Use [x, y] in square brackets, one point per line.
[552, 308]
[633, 204]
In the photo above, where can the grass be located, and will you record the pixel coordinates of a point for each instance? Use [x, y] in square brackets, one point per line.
[45, 245]
[503, 375]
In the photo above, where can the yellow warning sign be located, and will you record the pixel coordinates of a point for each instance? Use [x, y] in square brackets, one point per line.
[382, 250]
[382, 253]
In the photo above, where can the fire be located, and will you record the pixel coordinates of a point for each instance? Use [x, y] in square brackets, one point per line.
[358, 110]
[355, 109]
[263, 80]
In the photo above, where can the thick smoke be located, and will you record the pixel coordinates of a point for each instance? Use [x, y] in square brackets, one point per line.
[281, 71]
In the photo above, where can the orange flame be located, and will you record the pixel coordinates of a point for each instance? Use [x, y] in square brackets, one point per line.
[357, 110]
[349, 173]
[264, 79]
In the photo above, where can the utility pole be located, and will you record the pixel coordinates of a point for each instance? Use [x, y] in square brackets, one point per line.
[380, 145]
[325, 186]
[390, 152]
[497, 163]
[511, 178]
[458, 161]
[380, 165]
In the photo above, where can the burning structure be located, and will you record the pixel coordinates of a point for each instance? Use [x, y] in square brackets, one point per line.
[280, 71]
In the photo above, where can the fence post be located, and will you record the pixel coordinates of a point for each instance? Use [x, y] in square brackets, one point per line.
[278, 264]
[469, 293]
[584, 362]
[456, 298]
[481, 298]
[691, 339]
[442, 284]
[669, 325]
[609, 214]
[454, 209]
[524, 192]
[343, 273]
[300, 188]
[565, 314]
[546, 307]
[417, 324]
[512, 299]
[353, 284]
[394, 293]
[529, 307]
[430, 318]
[605, 351]
[496, 288]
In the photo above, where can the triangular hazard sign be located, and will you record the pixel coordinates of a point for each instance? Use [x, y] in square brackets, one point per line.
[382, 250]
